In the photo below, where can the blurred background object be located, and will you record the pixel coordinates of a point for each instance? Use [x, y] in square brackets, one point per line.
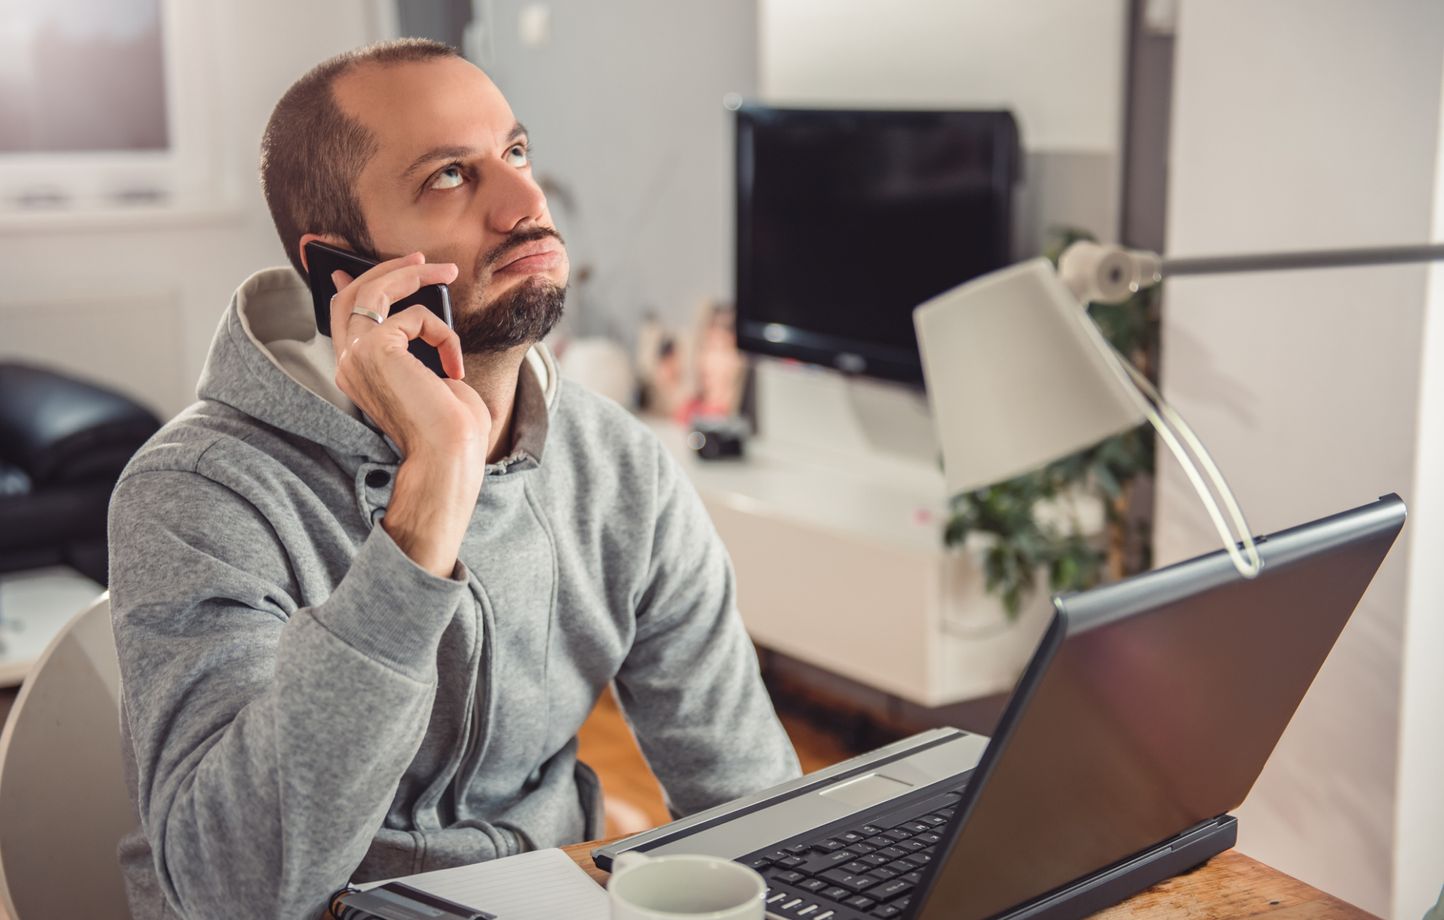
[600, 364]
[63, 443]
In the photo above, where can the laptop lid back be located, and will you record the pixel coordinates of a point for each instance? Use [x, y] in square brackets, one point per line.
[1150, 706]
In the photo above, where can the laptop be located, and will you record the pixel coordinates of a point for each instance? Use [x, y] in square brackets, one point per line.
[1145, 715]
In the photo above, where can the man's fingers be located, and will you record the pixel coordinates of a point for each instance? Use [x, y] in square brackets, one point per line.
[377, 289]
[398, 284]
[451, 361]
[444, 338]
[420, 323]
[472, 400]
[415, 322]
[339, 325]
[390, 265]
[343, 280]
[358, 323]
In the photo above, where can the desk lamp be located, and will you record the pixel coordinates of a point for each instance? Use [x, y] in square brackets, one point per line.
[1018, 375]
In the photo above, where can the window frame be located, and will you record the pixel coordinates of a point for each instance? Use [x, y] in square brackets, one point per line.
[184, 175]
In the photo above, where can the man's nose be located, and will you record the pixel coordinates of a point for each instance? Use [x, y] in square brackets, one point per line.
[517, 199]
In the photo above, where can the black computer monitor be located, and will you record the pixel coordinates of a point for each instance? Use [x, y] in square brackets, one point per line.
[847, 220]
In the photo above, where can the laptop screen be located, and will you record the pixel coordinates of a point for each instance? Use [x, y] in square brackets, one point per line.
[1150, 707]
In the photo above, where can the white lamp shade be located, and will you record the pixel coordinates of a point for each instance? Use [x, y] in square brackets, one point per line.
[1018, 376]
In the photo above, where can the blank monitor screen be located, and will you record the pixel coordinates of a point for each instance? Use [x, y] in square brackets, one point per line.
[847, 220]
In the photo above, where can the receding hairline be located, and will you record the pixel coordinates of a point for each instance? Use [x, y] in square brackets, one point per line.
[359, 68]
[314, 147]
[362, 69]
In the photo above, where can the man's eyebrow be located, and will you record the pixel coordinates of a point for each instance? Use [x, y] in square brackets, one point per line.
[447, 152]
[455, 152]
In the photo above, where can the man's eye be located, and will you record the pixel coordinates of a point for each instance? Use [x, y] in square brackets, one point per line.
[450, 177]
[518, 155]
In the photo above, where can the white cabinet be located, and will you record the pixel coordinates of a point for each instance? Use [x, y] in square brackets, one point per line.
[843, 567]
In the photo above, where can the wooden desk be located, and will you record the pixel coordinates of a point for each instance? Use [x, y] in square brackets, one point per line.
[1229, 885]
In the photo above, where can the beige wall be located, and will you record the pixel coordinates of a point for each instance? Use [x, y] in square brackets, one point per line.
[1298, 124]
[1057, 64]
[1419, 793]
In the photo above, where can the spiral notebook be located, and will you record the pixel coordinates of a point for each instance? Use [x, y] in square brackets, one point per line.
[540, 885]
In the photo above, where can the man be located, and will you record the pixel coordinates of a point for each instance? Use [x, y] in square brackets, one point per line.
[361, 611]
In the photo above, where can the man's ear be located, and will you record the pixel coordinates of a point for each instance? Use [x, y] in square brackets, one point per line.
[326, 238]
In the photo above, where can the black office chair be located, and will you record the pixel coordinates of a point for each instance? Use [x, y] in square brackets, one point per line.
[63, 443]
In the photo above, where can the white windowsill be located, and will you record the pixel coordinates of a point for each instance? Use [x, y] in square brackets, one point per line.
[135, 217]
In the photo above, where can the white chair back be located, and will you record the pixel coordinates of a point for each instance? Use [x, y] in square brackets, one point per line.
[63, 801]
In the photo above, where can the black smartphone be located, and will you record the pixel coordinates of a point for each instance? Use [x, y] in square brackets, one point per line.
[322, 260]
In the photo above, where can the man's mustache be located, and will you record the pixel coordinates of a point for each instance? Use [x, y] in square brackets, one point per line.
[495, 256]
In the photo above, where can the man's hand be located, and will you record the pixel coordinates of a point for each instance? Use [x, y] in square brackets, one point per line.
[441, 425]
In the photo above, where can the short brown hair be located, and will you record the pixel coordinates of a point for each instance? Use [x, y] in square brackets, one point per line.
[312, 151]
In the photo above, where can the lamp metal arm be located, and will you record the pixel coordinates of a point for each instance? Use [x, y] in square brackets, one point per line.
[1111, 274]
[1283, 261]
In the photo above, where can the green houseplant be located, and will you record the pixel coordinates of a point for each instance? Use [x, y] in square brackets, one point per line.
[1021, 540]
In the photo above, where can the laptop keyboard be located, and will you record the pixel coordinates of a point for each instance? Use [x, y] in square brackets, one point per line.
[855, 871]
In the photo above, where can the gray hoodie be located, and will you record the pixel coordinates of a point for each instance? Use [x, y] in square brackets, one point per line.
[303, 705]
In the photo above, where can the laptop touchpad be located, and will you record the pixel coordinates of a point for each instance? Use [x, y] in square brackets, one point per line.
[866, 790]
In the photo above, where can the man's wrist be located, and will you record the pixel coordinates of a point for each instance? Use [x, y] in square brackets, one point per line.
[430, 509]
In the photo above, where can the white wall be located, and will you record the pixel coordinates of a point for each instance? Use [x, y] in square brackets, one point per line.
[1058, 64]
[1419, 831]
[134, 299]
[1299, 124]
[624, 105]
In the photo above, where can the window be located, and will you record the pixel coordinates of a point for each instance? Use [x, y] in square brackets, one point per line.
[107, 106]
[82, 76]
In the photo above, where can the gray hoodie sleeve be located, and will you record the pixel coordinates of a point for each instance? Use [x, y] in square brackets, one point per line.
[690, 684]
[268, 739]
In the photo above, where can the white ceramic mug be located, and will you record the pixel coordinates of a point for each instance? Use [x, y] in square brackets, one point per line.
[684, 888]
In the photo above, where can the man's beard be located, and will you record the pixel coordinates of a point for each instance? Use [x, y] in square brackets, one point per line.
[521, 316]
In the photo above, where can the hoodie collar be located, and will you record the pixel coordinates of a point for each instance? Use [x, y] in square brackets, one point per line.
[268, 361]
[530, 412]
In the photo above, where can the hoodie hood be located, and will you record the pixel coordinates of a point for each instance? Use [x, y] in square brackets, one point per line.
[268, 361]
